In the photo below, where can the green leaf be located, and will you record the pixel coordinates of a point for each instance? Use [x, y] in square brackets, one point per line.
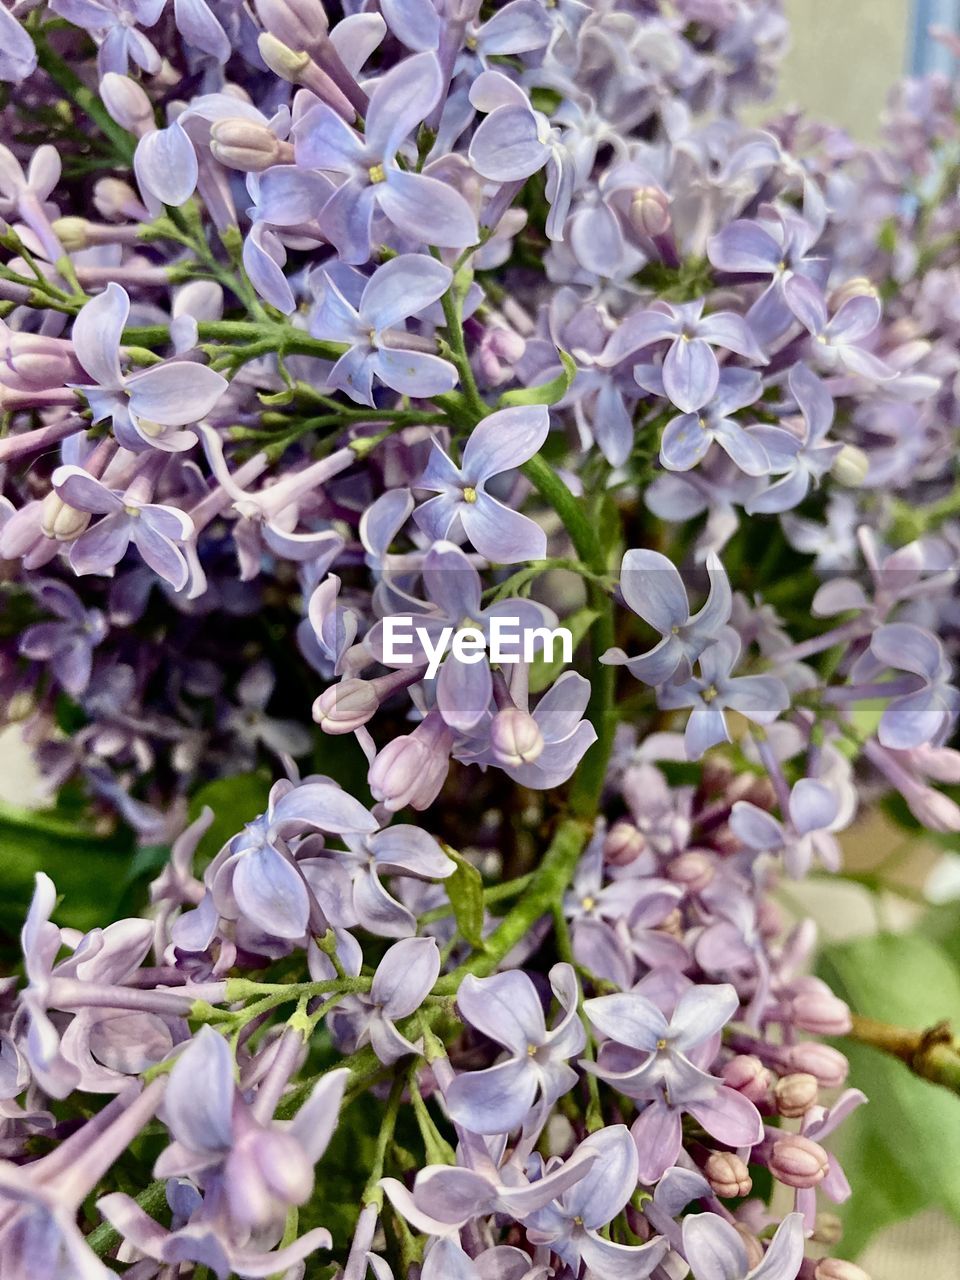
[465, 891]
[899, 1152]
[545, 392]
[544, 673]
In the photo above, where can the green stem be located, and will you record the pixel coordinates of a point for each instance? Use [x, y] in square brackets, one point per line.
[372, 1193]
[88, 102]
[933, 1054]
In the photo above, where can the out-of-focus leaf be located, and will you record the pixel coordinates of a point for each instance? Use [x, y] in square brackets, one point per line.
[543, 673]
[899, 1152]
[235, 801]
[544, 392]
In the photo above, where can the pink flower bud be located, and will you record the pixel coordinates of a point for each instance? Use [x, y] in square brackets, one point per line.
[650, 211]
[61, 521]
[693, 870]
[247, 145]
[816, 1009]
[624, 843]
[411, 770]
[821, 1060]
[300, 24]
[838, 1269]
[798, 1162]
[727, 1174]
[747, 1074]
[515, 737]
[751, 1243]
[344, 707]
[934, 809]
[795, 1094]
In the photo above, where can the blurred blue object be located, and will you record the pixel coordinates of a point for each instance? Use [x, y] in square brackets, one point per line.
[926, 53]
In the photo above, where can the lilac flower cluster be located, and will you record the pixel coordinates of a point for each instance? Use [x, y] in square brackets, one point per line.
[314, 318]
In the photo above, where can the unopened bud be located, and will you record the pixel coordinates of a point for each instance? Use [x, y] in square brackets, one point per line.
[934, 809]
[727, 1175]
[411, 770]
[693, 869]
[816, 1009]
[72, 233]
[61, 521]
[798, 1162]
[126, 103]
[515, 737]
[747, 1074]
[858, 287]
[850, 466]
[650, 211]
[113, 199]
[246, 145]
[624, 843]
[299, 24]
[838, 1269]
[795, 1094]
[345, 707]
[281, 59]
[821, 1060]
[751, 1243]
[19, 706]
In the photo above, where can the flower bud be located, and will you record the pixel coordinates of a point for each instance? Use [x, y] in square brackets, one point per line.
[650, 211]
[245, 145]
[838, 1269]
[300, 24]
[72, 233]
[821, 1060]
[411, 770]
[21, 705]
[934, 809]
[747, 1075]
[751, 1243]
[115, 199]
[857, 287]
[795, 1094]
[515, 737]
[126, 103]
[850, 466]
[624, 843]
[344, 707]
[60, 521]
[828, 1229]
[727, 1174]
[798, 1162]
[281, 59]
[693, 870]
[816, 1009]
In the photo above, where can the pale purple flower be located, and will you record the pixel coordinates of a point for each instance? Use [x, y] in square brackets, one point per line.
[652, 587]
[838, 340]
[68, 644]
[112, 23]
[819, 1123]
[507, 1009]
[499, 443]
[403, 980]
[421, 207]
[401, 850]
[759, 698]
[813, 816]
[141, 405]
[515, 141]
[927, 715]
[372, 325]
[519, 27]
[802, 459]
[686, 439]
[691, 374]
[18, 57]
[572, 1226]
[715, 1250]
[158, 532]
[670, 1075]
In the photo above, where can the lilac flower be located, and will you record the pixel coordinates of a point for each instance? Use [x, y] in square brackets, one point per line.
[686, 439]
[421, 207]
[837, 340]
[927, 715]
[691, 374]
[507, 1009]
[519, 27]
[803, 460]
[652, 587]
[112, 25]
[403, 980]
[572, 1226]
[401, 850]
[67, 645]
[402, 287]
[670, 1075]
[813, 817]
[715, 1250]
[818, 1123]
[516, 141]
[453, 588]
[141, 405]
[759, 698]
[499, 443]
[255, 874]
[158, 532]
[18, 57]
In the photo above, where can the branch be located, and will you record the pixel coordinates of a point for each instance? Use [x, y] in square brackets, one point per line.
[932, 1055]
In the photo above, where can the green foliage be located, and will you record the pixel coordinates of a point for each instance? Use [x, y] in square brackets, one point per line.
[465, 891]
[544, 673]
[899, 1151]
[544, 392]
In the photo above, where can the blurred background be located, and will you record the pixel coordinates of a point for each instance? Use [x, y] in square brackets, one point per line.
[890, 927]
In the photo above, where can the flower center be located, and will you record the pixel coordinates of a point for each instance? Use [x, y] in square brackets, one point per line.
[131, 511]
[469, 493]
[376, 173]
[661, 1044]
[709, 693]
